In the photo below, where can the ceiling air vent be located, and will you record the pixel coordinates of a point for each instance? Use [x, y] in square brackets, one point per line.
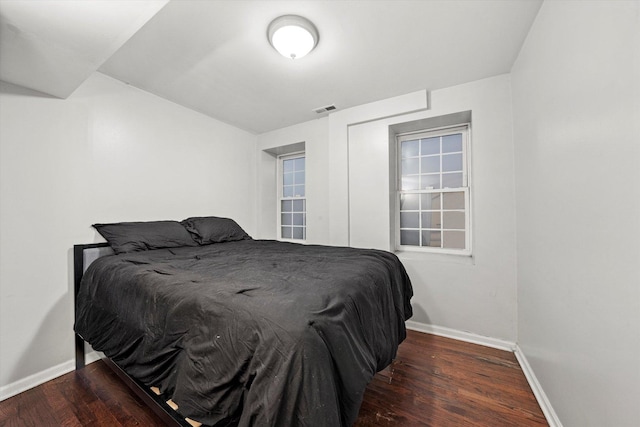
[325, 109]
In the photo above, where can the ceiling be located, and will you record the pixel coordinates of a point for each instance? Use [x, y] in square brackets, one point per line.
[213, 56]
[54, 46]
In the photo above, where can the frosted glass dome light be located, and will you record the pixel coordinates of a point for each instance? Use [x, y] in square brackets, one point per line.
[293, 36]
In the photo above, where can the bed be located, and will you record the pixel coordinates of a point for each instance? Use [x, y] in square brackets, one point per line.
[242, 332]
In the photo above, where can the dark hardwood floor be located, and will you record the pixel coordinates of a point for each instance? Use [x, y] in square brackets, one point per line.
[442, 382]
[434, 381]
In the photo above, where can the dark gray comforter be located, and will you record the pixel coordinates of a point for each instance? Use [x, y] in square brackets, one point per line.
[250, 333]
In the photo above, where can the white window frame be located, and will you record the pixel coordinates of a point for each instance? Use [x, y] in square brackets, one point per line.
[281, 198]
[465, 129]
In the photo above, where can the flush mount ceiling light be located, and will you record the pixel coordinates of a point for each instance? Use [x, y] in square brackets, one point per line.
[293, 36]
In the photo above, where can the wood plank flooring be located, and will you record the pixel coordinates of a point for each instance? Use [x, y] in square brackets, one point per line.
[434, 381]
[442, 382]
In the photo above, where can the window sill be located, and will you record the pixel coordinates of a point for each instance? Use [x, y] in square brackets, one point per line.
[302, 242]
[418, 255]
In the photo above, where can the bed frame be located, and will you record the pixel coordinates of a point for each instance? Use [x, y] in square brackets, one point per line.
[83, 256]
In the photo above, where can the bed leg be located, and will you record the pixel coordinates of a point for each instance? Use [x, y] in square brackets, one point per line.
[79, 352]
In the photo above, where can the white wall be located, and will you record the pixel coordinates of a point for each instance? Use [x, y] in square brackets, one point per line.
[475, 294]
[576, 96]
[107, 153]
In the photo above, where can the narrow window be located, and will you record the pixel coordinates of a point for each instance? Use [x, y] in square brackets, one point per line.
[292, 202]
[433, 191]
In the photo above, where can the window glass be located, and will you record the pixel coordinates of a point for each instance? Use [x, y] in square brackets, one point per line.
[430, 201]
[431, 238]
[454, 200]
[287, 179]
[410, 148]
[430, 146]
[286, 219]
[409, 220]
[410, 166]
[431, 220]
[430, 164]
[298, 205]
[452, 162]
[452, 180]
[298, 219]
[298, 233]
[452, 143]
[287, 232]
[453, 219]
[428, 182]
[410, 237]
[287, 166]
[409, 202]
[453, 239]
[410, 182]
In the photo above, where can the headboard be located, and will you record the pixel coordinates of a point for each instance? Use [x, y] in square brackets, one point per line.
[83, 256]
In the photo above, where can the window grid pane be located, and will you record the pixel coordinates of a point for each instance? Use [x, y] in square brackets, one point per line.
[293, 177]
[419, 223]
[437, 162]
[293, 215]
[433, 195]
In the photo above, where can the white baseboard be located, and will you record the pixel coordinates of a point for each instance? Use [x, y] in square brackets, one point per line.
[541, 396]
[36, 379]
[42, 377]
[538, 392]
[461, 335]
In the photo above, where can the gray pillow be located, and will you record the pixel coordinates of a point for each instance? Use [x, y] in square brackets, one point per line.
[126, 237]
[212, 229]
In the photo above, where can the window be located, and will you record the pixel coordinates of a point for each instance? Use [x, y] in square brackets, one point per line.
[292, 205]
[433, 191]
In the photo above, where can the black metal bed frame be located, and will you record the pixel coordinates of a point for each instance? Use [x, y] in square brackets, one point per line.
[156, 402]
